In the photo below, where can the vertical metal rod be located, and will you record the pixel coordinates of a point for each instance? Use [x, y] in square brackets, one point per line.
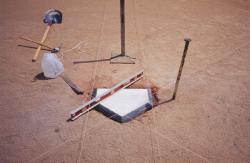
[122, 15]
[187, 41]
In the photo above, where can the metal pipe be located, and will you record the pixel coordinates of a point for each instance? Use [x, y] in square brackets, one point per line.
[187, 41]
[122, 15]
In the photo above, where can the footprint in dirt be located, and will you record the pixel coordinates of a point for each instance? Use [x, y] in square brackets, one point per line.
[57, 130]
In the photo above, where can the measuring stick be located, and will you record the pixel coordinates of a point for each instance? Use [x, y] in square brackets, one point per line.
[96, 101]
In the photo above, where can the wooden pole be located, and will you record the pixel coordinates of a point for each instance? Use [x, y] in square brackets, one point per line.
[187, 41]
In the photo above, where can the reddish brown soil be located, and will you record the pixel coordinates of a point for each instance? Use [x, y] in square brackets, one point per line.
[208, 122]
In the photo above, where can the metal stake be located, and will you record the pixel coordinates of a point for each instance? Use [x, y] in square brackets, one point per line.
[187, 41]
[122, 58]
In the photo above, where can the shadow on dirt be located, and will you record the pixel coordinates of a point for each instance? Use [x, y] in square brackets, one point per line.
[92, 61]
[41, 76]
[97, 60]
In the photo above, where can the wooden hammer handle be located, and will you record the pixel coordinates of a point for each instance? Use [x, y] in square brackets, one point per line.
[42, 41]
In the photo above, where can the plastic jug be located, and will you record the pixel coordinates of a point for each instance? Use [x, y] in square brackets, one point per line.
[51, 65]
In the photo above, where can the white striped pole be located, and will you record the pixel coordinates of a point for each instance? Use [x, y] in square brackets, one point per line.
[96, 101]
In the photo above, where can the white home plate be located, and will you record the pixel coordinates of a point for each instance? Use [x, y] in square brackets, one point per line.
[125, 104]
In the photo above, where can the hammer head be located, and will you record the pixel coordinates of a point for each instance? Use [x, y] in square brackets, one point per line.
[52, 16]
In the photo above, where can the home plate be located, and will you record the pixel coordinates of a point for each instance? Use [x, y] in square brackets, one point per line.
[125, 104]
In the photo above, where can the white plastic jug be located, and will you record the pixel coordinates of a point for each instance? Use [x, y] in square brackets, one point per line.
[51, 65]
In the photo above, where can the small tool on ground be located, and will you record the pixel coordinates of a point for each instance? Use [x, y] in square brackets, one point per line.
[51, 17]
[52, 67]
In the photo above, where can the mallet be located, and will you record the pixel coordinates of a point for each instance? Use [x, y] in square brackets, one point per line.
[51, 17]
[187, 41]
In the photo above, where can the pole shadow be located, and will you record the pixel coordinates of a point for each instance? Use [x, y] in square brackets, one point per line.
[92, 61]
[41, 76]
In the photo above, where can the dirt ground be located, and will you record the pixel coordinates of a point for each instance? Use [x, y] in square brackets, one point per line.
[208, 122]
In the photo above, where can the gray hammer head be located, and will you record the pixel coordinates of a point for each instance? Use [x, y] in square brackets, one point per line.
[52, 16]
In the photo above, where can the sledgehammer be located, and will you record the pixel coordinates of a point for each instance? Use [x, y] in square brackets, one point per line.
[51, 17]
